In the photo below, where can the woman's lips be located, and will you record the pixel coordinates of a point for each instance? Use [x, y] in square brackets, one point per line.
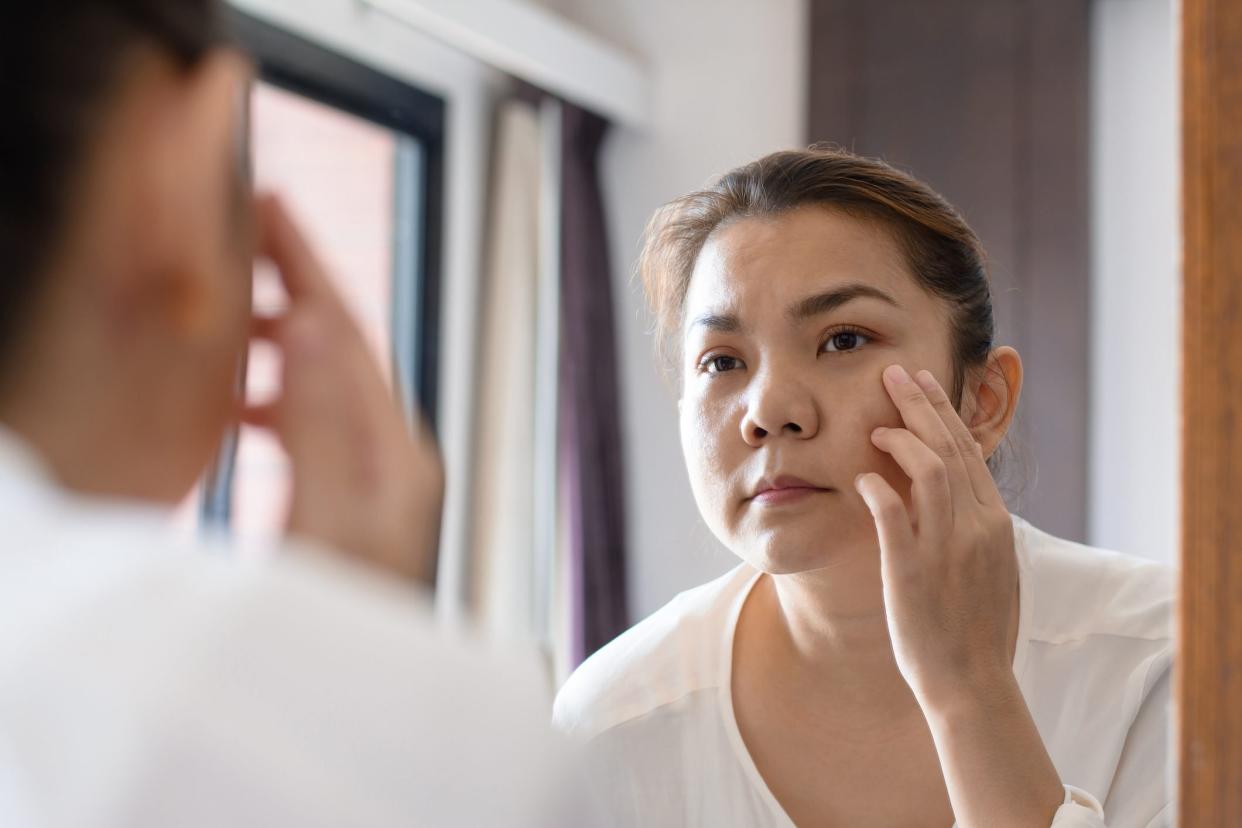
[779, 497]
[784, 490]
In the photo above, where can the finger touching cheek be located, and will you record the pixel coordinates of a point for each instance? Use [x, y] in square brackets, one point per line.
[858, 454]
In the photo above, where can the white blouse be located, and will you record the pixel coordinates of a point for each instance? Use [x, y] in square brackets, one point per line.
[148, 683]
[1093, 660]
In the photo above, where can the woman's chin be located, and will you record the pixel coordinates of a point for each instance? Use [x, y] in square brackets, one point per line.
[791, 550]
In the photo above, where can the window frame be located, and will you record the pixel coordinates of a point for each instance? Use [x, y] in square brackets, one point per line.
[303, 67]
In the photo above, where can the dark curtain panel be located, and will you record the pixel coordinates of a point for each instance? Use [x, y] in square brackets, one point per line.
[591, 458]
[986, 100]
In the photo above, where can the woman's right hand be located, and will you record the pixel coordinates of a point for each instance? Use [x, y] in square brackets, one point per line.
[362, 483]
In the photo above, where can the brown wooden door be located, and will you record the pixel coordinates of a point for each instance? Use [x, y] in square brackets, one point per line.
[1209, 676]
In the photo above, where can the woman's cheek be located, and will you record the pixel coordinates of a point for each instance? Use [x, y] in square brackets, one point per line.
[870, 458]
[706, 439]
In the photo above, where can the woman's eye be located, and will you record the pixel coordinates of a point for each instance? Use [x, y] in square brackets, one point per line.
[720, 364]
[845, 341]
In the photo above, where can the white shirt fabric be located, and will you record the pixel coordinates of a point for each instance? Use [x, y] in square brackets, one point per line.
[142, 684]
[1093, 660]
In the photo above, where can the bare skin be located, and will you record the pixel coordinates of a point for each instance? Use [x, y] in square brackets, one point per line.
[872, 674]
[124, 381]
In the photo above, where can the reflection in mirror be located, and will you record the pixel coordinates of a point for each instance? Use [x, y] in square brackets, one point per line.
[820, 509]
[922, 591]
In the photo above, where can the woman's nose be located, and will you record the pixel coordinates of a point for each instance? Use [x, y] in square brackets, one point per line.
[779, 407]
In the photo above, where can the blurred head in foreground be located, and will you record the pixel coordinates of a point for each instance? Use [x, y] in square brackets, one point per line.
[125, 230]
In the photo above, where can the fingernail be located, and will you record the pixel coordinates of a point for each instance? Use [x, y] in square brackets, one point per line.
[878, 430]
[896, 374]
[926, 380]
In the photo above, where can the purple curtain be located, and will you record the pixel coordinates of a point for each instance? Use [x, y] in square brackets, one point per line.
[590, 433]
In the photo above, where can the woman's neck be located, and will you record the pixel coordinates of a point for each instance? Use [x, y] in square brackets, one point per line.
[826, 635]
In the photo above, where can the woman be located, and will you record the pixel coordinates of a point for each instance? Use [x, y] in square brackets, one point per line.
[895, 648]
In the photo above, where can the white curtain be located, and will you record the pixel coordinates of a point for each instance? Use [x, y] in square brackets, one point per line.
[502, 560]
[518, 548]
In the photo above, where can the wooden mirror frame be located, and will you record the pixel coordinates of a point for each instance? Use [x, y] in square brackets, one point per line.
[1209, 671]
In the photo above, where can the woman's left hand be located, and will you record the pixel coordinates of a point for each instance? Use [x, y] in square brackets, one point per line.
[949, 568]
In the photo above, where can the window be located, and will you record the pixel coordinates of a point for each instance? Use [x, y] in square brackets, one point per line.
[357, 156]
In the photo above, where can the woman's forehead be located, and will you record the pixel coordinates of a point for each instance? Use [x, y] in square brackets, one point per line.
[755, 263]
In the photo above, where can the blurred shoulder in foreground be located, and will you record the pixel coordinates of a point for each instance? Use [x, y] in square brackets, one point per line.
[146, 685]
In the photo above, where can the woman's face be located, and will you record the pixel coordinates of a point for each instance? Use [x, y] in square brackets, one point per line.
[789, 322]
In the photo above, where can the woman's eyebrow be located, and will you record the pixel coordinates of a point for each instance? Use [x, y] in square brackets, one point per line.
[832, 299]
[718, 322]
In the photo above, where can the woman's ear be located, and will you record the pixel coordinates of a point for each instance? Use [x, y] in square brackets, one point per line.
[993, 398]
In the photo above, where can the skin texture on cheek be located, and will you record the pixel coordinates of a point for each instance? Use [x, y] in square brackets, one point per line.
[704, 429]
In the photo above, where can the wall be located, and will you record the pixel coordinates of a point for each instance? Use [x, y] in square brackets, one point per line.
[1136, 298]
[728, 83]
[987, 102]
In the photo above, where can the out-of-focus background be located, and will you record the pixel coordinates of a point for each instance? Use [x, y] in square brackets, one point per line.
[478, 175]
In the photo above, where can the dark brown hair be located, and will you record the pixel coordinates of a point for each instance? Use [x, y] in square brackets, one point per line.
[943, 254]
[60, 61]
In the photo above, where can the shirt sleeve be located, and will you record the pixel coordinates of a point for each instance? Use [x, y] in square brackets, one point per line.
[1141, 791]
